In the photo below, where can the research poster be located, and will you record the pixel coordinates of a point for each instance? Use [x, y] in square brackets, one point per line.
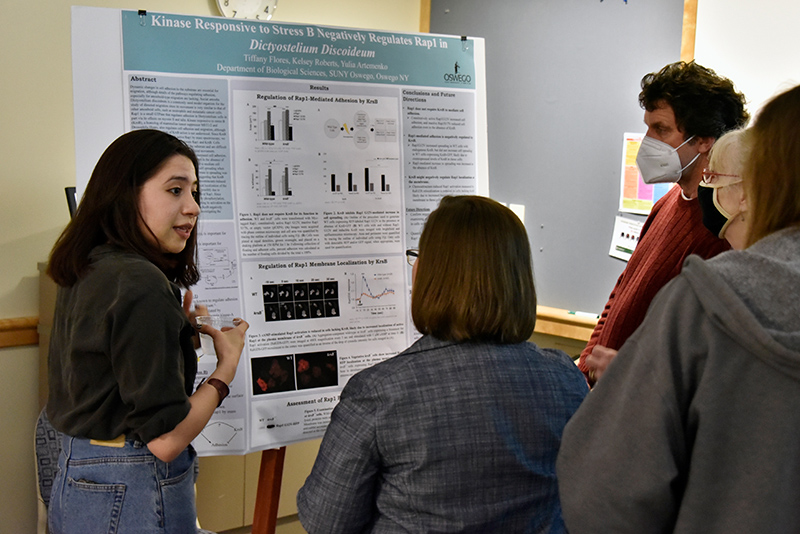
[625, 237]
[635, 195]
[322, 150]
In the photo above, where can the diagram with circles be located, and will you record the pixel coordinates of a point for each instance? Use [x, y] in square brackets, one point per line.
[362, 131]
[218, 267]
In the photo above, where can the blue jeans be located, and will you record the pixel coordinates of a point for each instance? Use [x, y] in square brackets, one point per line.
[108, 490]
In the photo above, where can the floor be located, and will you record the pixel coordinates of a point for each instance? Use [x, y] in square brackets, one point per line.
[286, 525]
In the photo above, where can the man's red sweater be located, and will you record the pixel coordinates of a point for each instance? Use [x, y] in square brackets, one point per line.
[673, 230]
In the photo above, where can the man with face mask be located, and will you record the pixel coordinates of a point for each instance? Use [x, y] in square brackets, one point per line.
[687, 107]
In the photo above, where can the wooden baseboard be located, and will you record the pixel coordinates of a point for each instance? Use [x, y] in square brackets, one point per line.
[19, 332]
[563, 323]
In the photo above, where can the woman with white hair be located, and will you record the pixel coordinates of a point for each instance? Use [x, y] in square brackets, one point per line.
[721, 192]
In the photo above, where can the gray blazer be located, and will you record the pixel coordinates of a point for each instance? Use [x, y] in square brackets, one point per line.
[446, 437]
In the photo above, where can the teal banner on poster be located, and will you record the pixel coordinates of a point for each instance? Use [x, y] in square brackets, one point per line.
[195, 45]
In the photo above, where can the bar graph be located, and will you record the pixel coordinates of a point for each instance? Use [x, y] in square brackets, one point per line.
[353, 184]
[370, 186]
[273, 124]
[270, 180]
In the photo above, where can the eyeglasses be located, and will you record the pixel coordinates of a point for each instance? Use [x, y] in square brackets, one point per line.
[411, 255]
[710, 177]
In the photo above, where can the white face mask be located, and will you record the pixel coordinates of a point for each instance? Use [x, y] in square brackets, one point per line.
[659, 162]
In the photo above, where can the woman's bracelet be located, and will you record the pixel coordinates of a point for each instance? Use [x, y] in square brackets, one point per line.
[222, 388]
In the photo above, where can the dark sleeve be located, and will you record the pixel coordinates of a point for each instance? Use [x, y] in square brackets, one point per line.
[339, 494]
[145, 322]
[623, 456]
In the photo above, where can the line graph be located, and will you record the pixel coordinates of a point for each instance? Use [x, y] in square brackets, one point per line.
[372, 293]
[367, 295]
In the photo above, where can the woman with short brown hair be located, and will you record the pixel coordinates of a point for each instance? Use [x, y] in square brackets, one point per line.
[458, 433]
[477, 281]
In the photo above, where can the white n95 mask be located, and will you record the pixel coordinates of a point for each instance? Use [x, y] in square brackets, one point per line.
[659, 163]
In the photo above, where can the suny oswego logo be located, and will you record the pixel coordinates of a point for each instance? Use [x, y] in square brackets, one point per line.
[455, 77]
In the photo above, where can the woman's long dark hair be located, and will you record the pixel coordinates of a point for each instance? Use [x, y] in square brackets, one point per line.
[109, 210]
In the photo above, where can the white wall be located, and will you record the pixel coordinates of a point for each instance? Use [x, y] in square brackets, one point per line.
[752, 42]
[37, 151]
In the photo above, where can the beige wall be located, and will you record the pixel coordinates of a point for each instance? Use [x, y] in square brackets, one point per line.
[37, 151]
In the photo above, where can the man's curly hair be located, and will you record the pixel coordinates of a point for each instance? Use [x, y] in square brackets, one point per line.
[705, 104]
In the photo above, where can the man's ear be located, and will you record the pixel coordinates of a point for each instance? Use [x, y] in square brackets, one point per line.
[704, 144]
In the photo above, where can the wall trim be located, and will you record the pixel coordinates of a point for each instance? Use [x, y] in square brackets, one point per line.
[425, 16]
[563, 323]
[689, 32]
[19, 332]
[22, 331]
